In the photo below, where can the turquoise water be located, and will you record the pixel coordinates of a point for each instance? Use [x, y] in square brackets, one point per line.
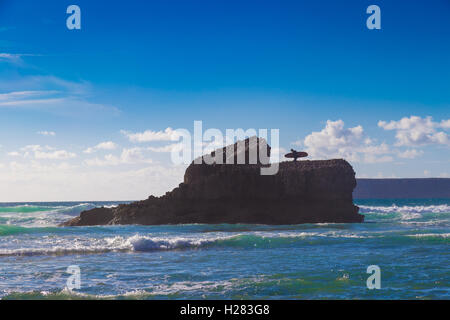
[407, 239]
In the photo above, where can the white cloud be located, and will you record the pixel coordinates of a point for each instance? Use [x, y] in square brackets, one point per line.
[167, 148]
[133, 155]
[51, 94]
[352, 144]
[108, 160]
[128, 156]
[31, 103]
[445, 124]
[107, 145]
[15, 58]
[417, 131]
[33, 147]
[11, 57]
[38, 85]
[370, 158]
[29, 98]
[336, 141]
[54, 155]
[18, 95]
[47, 133]
[374, 149]
[39, 152]
[14, 154]
[66, 104]
[410, 153]
[376, 153]
[167, 135]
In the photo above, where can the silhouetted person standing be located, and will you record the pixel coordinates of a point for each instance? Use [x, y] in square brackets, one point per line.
[296, 154]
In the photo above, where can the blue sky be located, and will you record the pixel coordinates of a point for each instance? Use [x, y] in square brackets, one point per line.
[309, 68]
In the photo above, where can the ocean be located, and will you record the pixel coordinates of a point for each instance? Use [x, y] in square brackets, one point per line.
[407, 239]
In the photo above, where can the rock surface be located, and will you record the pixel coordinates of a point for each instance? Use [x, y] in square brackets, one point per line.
[301, 192]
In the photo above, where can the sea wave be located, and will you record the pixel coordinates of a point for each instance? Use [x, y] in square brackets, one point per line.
[25, 208]
[161, 289]
[431, 235]
[66, 294]
[75, 209]
[141, 243]
[9, 230]
[253, 239]
[144, 243]
[28, 215]
[443, 208]
[6, 230]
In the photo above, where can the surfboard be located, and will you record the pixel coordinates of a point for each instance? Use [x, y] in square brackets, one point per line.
[300, 154]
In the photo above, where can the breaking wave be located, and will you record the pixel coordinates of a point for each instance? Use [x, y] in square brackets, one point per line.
[443, 208]
[31, 215]
[162, 289]
[431, 235]
[140, 243]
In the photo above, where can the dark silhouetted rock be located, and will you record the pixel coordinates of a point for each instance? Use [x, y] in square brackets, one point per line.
[96, 216]
[301, 192]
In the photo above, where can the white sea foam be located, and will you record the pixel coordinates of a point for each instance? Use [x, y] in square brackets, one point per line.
[61, 246]
[162, 289]
[430, 235]
[144, 243]
[190, 286]
[49, 218]
[409, 212]
[325, 234]
[42, 216]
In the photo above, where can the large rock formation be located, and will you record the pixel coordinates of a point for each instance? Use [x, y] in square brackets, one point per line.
[301, 192]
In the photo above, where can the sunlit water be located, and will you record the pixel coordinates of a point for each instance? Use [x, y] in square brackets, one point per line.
[407, 239]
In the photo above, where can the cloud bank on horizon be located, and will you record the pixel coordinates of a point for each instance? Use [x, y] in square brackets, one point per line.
[83, 119]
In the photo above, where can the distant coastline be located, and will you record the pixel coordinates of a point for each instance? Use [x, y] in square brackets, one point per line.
[409, 188]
